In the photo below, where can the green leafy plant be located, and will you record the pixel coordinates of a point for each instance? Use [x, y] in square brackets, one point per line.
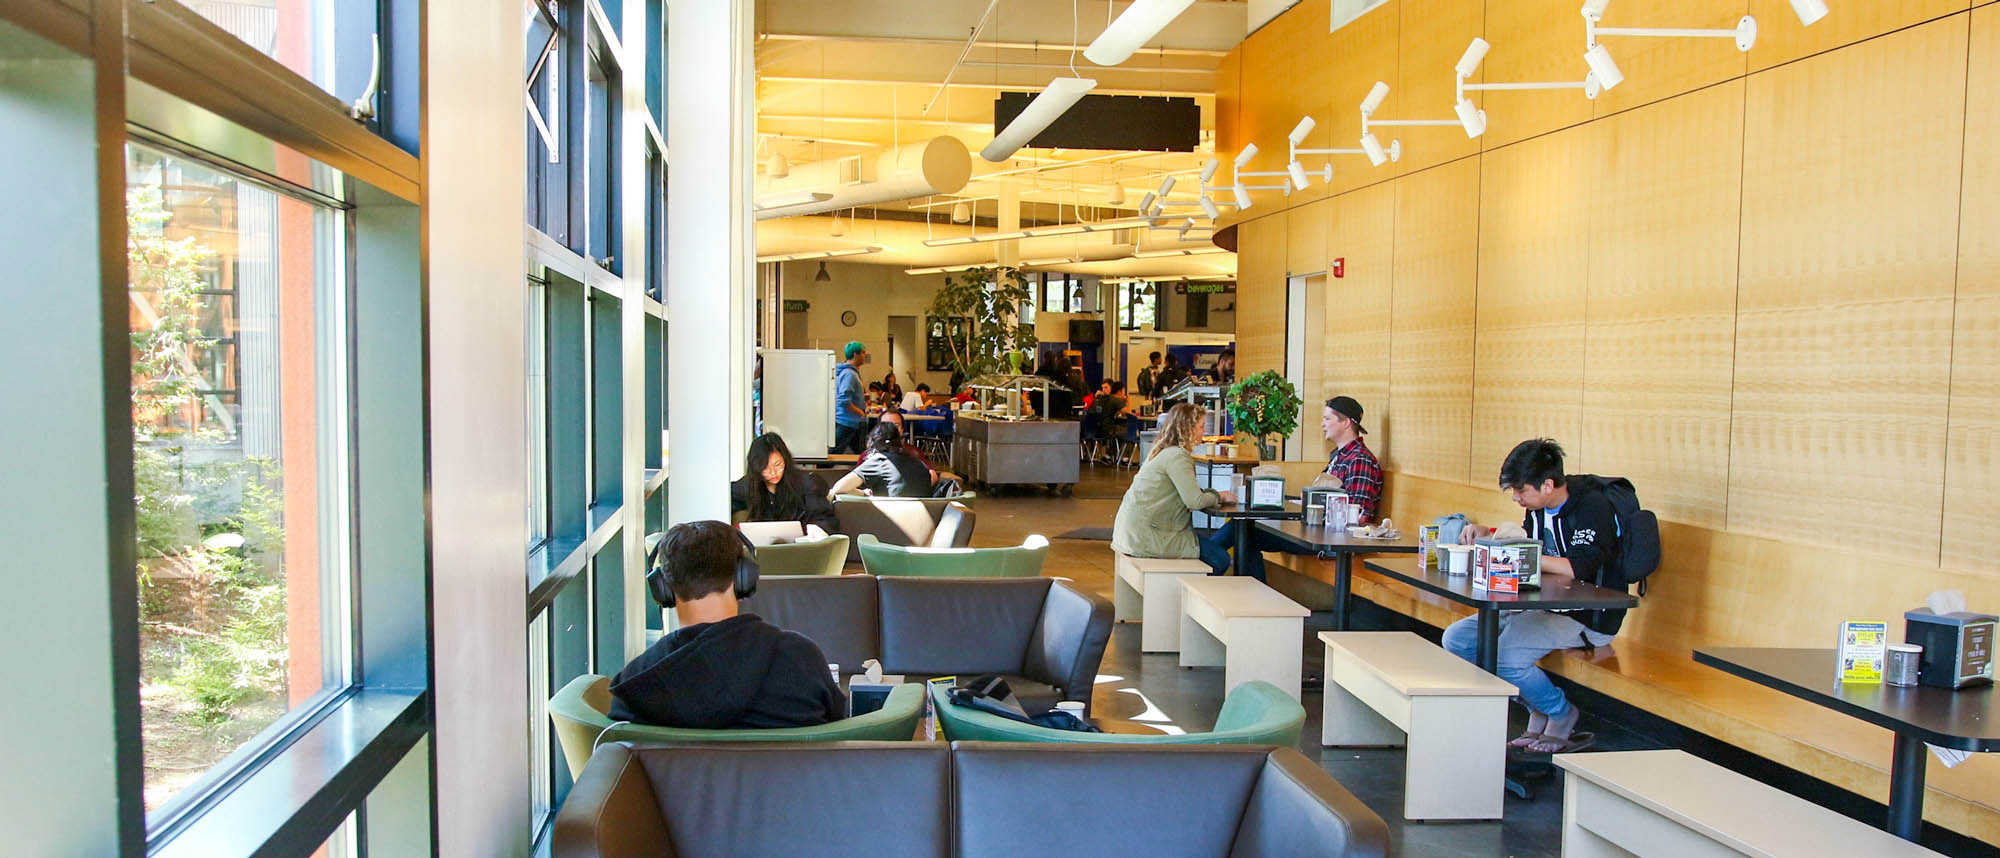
[992, 299]
[1264, 404]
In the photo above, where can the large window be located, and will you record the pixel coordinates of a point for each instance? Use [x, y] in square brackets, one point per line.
[239, 388]
[1138, 305]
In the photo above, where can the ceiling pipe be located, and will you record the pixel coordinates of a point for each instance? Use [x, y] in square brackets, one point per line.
[940, 166]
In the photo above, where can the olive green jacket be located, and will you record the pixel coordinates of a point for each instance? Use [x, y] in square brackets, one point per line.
[1153, 519]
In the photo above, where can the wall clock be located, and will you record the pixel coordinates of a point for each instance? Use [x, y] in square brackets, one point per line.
[847, 318]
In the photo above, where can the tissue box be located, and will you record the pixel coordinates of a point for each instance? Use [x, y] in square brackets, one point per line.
[1958, 647]
[864, 697]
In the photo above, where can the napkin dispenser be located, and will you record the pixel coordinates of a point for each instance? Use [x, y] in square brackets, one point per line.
[1506, 565]
[1958, 646]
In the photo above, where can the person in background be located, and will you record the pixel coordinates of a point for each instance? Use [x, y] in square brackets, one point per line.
[895, 418]
[964, 395]
[1149, 376]
[1112, 411]
[1168, 376]
[1090, 399]
[722, 669]
[917, 400]
[1352, 467]
[1225, 367]
[875, 395]
[774, 489]
[1578, 530]
[892, 388]
[850, 404]
[887, 470]
[1155, 518]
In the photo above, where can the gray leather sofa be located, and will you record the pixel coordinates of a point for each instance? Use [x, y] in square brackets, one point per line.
[968, 800]
[1044, 635]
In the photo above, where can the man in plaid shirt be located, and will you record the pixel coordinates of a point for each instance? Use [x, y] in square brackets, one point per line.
[1352, 464]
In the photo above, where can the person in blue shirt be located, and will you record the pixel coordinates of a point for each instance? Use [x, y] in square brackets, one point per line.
[850, 412]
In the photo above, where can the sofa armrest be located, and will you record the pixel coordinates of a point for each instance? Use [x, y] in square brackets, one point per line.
[1068, 643]
[612, 812]
[1297, 806]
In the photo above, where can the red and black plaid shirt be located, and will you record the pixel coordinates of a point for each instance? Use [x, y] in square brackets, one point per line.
[1359, 475]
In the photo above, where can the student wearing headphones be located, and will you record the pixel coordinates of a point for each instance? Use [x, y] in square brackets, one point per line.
[721, 669]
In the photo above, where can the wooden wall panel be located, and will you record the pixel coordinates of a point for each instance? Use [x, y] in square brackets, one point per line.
[1313, 73]
[1272, 58]
[1780, 38]
[1662, 305]
[1229, 102]
[1533, 40]
[1534, 202]
[1843, 347]
[1355, 348]
[1436, 283]
[1359, 54]
[1972, 448]
[1434, 34]
[1305, 238]
[1260, 295]
[1661, 68]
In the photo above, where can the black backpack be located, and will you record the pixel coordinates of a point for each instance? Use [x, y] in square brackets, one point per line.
[1638, 530]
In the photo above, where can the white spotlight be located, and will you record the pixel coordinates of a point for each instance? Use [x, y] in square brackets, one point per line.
[1146, 203]
[1166, 186]
[1471, 117]
[1243, 157]
[1374, 100]
[1208, 208]
[1242, 197]
[1474, 53]
[1809, 10]
[1299, 132]
[1602, 65]
[1373, 147]
[1593, 10]
[1208, 170]
[1139, 22]
[1299, 179]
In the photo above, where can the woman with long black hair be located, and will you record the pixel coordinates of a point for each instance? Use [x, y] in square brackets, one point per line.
[774, 489]
[888, 470]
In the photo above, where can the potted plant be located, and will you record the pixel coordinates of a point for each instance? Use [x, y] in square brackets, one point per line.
[992, 299]
[1262, 405]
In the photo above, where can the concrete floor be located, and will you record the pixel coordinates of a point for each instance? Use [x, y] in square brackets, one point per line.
[1138, 692]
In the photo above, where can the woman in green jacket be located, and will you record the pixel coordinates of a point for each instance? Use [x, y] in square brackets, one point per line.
[1156, 517]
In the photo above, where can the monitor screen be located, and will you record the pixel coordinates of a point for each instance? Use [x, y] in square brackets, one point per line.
[1086, 332]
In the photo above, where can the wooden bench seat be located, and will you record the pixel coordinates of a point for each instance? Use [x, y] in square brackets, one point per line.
[1148, 589]
[1808, 738]
[1674, 805]
[1244, 627]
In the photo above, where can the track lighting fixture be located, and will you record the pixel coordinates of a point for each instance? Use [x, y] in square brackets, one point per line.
[1606, 69]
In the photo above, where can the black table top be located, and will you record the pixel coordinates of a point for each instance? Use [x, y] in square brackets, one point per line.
[1964, 719]
[1301, 538]
[1238, 510]
[1557, 593]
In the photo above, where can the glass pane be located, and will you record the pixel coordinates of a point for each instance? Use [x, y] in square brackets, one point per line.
[345, 842]
[327, 42]
[542, 747]
[536, 350]
[239, 459]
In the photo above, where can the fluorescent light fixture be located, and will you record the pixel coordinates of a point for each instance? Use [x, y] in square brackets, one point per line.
[1139, 22]
[1299, 179]
[1809, 10]
[1471, 117]
[947, 269]
[793, 198]
[1061, 229]
[1208, 170]
[1300, 131]
[1376, 94]
[1242, 197]
[1180, 251]
[1166, 186]
[1054, 100]
[1243, 157]
[1593, 10]
[1604, 67]
[1209, 208]
[819, 254]
[1474, 53]
[1376, 154]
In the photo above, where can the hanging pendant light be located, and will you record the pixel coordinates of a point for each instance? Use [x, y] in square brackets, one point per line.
[822, 276]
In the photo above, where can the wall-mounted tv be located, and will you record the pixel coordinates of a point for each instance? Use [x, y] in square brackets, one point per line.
[1086, 332]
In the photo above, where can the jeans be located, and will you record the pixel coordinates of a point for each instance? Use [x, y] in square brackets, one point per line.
[1526, 636]
[1215, 549]
[847, 439]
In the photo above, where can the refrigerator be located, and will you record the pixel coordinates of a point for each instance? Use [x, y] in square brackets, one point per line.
[798, 398]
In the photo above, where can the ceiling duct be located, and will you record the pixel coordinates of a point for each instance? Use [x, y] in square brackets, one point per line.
[939, 166]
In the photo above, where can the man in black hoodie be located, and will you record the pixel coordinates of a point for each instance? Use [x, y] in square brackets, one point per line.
[722, 669]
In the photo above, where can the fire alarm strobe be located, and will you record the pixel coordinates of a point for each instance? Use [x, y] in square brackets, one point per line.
[1340, 267]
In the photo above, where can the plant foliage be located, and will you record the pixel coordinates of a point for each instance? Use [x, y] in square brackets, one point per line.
[1264, 404]
[992, 298]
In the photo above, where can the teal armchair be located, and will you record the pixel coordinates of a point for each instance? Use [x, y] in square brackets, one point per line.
[1256, 713]
[1023, 561]
[581, 710]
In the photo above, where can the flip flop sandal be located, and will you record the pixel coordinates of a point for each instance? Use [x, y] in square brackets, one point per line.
[1524, 740]
[1573, 743]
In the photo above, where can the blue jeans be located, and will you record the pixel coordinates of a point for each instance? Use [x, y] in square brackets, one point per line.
[1216, 547]
[1525, 636]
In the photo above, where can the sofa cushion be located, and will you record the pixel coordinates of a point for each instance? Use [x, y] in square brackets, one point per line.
[1100, 799]
[839, 612]
[958, 625]
[793, 800]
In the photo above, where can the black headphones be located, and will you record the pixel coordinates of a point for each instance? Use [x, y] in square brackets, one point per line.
[658, 583]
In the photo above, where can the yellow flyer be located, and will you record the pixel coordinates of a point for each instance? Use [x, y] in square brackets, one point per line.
[1863, 644]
